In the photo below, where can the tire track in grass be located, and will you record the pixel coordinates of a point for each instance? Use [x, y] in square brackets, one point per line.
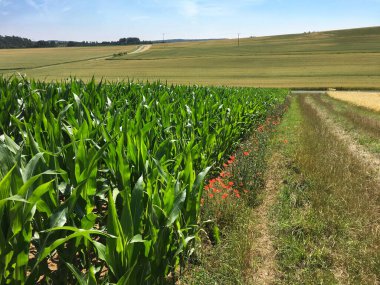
[367, 158]
[263, 253]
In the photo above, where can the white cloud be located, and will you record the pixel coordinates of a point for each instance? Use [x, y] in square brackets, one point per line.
[189, 8]
[66, 9]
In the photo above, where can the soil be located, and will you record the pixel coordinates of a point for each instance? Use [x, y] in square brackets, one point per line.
[263, 254]
[141, 49]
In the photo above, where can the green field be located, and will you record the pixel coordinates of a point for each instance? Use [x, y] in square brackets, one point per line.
[345, 58]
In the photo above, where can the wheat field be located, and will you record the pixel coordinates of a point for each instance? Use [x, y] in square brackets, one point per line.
[369, 100]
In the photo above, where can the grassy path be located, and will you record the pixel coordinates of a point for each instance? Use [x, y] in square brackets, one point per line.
[264, 268]
[366, 157]
[317, 218]
[327, 212]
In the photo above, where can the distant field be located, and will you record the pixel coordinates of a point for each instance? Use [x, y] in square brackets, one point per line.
[369, 100]
[347, 58]
[21, 59]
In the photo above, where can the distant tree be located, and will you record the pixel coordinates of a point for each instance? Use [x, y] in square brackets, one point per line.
[73, 44]
[44, 44]
[14, 42]
[129, 41]
[133, 41]
[18, 42]
[123, 41]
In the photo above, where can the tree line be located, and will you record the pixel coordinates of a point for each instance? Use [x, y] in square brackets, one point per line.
[18, 42]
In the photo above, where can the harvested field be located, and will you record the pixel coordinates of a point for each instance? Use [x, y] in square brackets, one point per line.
[369, 100]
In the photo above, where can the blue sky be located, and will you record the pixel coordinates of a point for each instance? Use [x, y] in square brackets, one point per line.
[98, 20]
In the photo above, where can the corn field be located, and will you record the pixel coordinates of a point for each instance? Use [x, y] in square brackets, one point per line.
[100, 183]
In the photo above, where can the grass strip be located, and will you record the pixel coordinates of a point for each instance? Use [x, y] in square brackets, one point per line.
[327, 213]
[363, 124]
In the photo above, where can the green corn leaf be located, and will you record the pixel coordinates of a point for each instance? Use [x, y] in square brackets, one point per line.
[101, 250]
[5, 184]
[137, 204]
[177, 206]
[15, 198]
[59, 218]
[78, 276]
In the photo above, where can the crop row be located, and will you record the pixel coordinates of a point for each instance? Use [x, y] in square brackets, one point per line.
[102, 182]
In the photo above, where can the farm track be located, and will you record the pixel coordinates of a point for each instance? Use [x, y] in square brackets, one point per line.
[369, 159]
[264, 265]
[140, 49]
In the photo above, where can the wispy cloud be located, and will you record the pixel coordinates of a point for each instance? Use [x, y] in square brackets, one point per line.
[189, 8]
[4, 9]
[4, 3]
[39, 5]
[66, 9]
[197, 8]
[139, 18]
[33, 4]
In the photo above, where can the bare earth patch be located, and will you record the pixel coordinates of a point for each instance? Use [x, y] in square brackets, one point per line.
[263, 254]
[141, 49]
[369, 100]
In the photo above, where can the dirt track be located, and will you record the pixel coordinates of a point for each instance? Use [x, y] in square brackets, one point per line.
[141, 49]
[267, 271]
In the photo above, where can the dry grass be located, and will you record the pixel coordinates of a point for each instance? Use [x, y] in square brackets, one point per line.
[369, 100]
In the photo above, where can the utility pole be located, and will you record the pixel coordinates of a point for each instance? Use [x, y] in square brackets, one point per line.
[163, 38]
[238, 39]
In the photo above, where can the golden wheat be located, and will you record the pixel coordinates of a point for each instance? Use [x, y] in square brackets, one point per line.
[369, 100]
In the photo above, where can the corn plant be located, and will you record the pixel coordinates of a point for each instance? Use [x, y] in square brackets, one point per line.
[101, 182]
